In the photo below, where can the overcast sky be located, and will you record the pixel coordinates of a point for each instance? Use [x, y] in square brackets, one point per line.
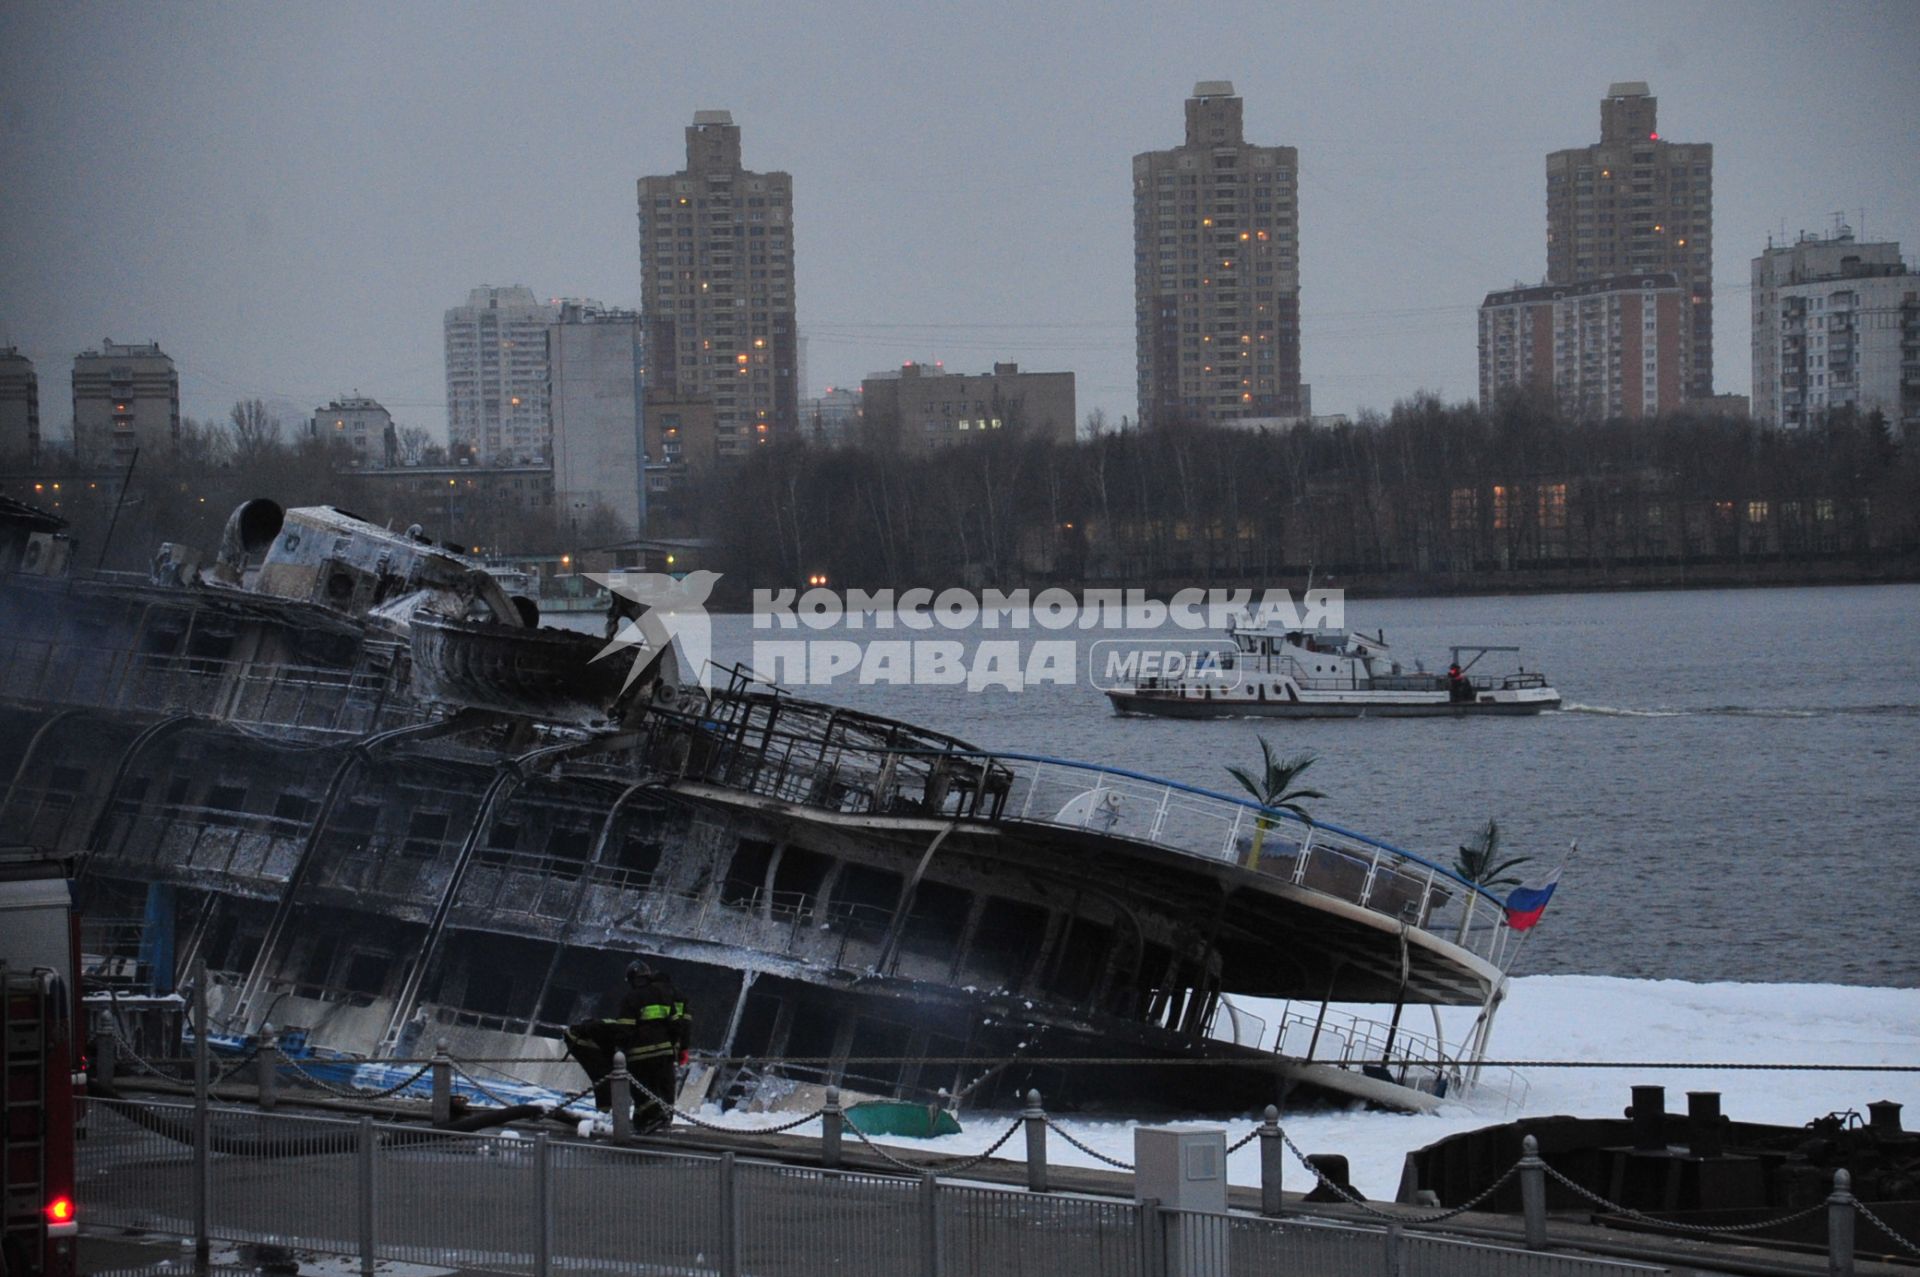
[288, 197]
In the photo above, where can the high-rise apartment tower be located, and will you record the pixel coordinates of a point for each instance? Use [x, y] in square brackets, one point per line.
[1636, 204]
[1216, 272]
[716, 281]
[497, 376]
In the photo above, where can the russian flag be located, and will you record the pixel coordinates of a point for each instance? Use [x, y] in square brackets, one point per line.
[1526, 904]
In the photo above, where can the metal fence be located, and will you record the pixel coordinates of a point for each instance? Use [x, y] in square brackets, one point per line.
[508, 1203]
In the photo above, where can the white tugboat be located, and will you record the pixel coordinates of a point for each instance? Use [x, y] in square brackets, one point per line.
[1331, 673]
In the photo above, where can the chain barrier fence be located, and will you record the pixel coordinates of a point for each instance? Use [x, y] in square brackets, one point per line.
[377, 1193]
[1534, 1173]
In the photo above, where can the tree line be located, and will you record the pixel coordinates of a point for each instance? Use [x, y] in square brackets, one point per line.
[1442, 495]
[1442, 492]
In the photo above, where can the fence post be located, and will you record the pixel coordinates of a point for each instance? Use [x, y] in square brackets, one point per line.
[621, 1086]
[1396, 1248]
[442, 1084]
[202, 1159]
[1273, 1164]
[106, 1054]
[1840, 1226]
[1533, 1193]
[1153, 1238]
[930, 1224]
[832, 1121]
[266, 1068]
[1036, 1119]
[729, 1219]
[364, 1194]
[543, 1199]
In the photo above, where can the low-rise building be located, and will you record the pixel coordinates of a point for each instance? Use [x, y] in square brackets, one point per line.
[19, 406]
[125, 397]
[360, 425]
[481, 509]
[833, 420]
[1613, 347]
[921, 407]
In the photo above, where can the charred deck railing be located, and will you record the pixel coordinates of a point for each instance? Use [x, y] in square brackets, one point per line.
[318, 699]
[1319, 857]
[1327, 1035]
[843, 762]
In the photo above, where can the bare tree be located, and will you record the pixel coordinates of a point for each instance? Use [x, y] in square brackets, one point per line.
[413, 443]
[255, 431]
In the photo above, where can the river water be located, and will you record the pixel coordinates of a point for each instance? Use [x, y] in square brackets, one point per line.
[1737, 766]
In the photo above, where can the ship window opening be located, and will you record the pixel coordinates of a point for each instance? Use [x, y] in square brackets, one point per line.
[865, 897]
[1009, 939]
[362, 816]
[939, 914]
[295, 808]
[876, 1051]
[797, 879]
[1153, 968]
[757, 1023]
[1082, 960]
[425, 831]
[641, 857]
[569, 844]
[163, 636]
[228, 800]
[560, 1005]
[318, 966]
[748, 872]
[811, 1039]
[219, 949]
[504, 836]
[212, 645]
[177, 789]
[366, 973]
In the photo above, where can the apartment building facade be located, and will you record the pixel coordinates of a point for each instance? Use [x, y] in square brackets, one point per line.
[1836, 325]
[1832, 325]
[1217, 272]
[921, 408]
[19, 406]
[126, 396]
[362, 426]
[1604, 348]
[496, 359]
[597, 402]
[717, 288]
[1635, 203]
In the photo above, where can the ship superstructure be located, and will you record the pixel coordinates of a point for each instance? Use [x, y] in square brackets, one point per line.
[373, 851]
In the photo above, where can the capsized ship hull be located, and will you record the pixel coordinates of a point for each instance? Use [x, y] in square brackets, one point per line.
[845, 899]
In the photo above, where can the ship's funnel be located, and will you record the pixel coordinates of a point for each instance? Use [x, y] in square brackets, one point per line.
[256, 523]
[250, 529]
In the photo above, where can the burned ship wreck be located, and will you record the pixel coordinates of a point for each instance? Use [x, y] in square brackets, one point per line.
[341, 766]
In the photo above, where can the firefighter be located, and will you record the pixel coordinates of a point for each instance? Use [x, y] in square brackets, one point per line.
[653, 1027]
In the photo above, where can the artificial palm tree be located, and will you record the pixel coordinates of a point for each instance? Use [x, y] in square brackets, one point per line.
[1480, 864]
[1272, 787]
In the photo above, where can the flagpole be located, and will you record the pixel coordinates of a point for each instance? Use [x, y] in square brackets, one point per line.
[1483, 1028]
[1513, 958]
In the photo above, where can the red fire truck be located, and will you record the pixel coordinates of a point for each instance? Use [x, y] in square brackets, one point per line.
[41, 1063]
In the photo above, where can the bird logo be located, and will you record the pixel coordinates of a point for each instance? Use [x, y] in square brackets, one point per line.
[660, 612]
